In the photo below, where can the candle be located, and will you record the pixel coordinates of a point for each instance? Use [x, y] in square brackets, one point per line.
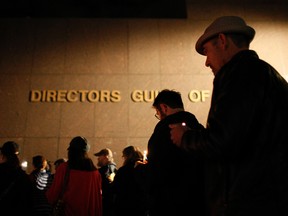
[183, 124]
[144, 155]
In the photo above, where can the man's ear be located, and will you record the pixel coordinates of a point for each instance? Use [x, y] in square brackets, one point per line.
[223, 40]
[164, 107]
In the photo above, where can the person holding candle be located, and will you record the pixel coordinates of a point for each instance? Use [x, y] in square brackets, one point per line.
[129, 191]
[175, 180]
[144, 156]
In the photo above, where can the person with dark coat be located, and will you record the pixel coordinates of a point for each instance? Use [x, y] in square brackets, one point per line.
[129, 194]
[107, 169]
[246, 138]
[175, 180]
[16, 190]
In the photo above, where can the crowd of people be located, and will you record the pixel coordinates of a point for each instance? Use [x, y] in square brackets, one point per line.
[236, 165]
[86, 189]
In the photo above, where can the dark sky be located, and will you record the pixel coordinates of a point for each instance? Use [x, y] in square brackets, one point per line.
[95, 8]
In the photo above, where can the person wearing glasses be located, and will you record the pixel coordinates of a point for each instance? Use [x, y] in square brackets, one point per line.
[174, 178]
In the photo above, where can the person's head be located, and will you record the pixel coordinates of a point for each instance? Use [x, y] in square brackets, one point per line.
[58, 162]
[9, 153]
[167, 102]
[105, 156]
[78, 154]
[222, 39]
[79, 144]
[39, 162]
[131, 154]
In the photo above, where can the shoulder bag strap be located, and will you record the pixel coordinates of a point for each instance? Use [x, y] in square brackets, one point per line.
[10, 186]
[6, 191]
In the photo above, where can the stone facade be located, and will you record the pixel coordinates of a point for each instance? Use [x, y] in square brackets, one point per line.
[111, 70]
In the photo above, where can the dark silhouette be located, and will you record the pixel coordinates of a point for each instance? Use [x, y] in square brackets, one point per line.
[58, 162]
[246, 139]
[15, 185]
[130, 196]
[107, 170]
[175, 179]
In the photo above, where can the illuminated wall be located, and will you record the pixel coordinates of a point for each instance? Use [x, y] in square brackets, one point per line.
[60, 78]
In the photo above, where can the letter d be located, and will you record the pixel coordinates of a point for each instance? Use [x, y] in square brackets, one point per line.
[35, 96]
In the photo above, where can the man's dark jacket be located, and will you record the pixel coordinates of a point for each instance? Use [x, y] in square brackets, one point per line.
[246, 139]
[175, 179]
[107, 194]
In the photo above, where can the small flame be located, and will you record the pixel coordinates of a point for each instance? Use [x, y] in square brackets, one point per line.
[24, 164]
[145, 155]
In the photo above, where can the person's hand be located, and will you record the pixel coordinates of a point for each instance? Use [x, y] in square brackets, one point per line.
[137, 163]
[177, 131]
[111, 177]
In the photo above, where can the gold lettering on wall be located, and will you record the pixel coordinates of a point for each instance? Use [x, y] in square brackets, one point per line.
[143, 95]
[198, 96]
[71, 96]
[115, 96]
[93, 96]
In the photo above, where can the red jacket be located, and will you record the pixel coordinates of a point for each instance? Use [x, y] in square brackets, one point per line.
[83, 193]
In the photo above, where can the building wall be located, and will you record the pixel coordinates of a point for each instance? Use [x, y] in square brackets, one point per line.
[109, 64]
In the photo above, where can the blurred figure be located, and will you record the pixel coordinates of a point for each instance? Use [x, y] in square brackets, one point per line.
[15, 185]
[83, 192]
[49, 167]
[130, 196]
[56, 165]
[107, 170]
[41, 179]
[58, 162]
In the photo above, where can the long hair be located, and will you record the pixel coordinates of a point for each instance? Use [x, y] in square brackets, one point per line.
[131, 154]
[77, 155]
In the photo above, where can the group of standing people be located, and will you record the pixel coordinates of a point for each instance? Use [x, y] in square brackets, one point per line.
[234, 166]
[20, 192]
[237, 165]
[123, 189]
[85, 189]
[105, 190]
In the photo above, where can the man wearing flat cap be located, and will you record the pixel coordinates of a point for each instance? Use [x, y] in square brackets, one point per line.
[245, 142]
[107, 170]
